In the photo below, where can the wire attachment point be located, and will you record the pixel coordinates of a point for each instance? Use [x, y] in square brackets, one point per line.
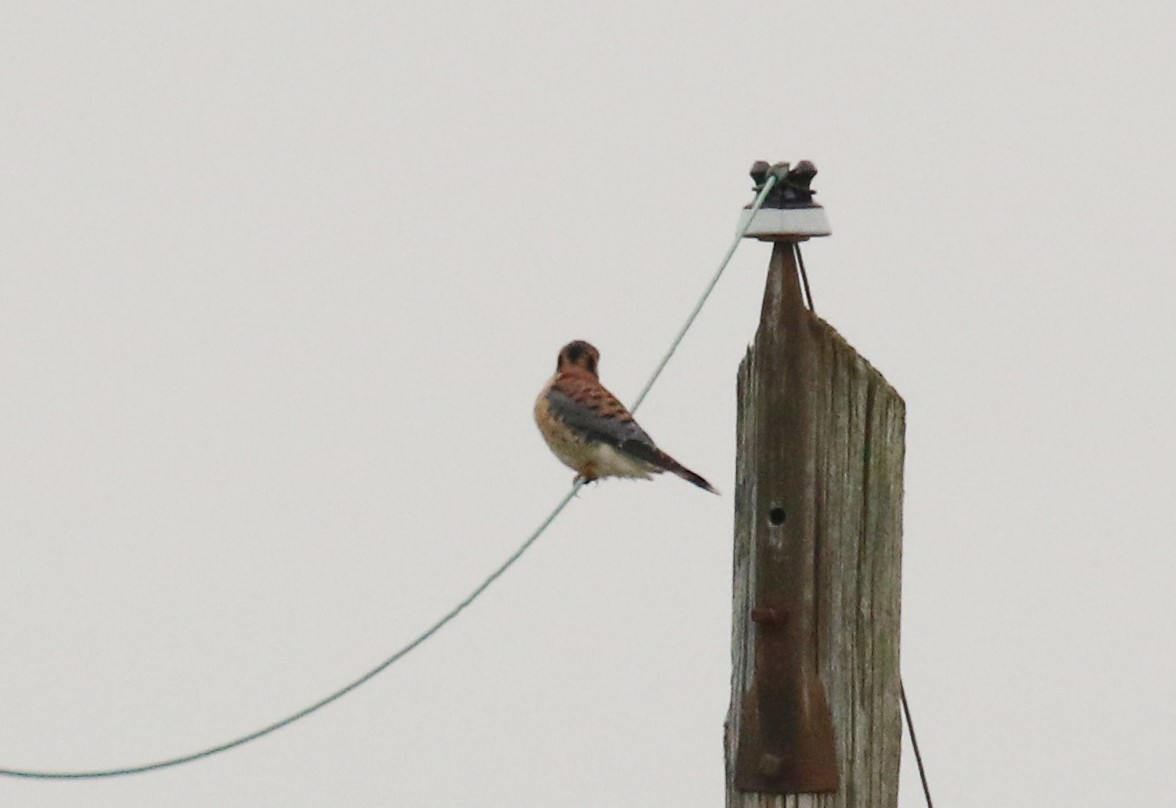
[788, 212]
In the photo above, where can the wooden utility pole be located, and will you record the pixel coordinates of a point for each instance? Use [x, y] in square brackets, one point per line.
[814, 720]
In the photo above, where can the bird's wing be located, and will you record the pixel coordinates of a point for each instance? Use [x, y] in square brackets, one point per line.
[586, 407]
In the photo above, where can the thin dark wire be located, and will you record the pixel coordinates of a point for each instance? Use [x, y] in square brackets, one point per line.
[318, 705]
[808, 293]
[906, 710]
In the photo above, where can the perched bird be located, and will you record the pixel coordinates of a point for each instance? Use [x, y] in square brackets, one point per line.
[590, 431]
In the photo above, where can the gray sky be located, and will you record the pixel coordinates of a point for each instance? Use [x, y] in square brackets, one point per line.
[278, 285]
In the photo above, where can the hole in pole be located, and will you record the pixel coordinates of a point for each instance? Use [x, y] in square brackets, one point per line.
[776, 516]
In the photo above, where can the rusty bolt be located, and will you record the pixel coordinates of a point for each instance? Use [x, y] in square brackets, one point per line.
[770, 765]
[769, 614]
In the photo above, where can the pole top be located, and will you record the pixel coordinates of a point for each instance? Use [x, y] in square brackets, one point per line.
[789, 212]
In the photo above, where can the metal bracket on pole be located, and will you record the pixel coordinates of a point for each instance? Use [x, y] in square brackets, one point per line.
[785, 738]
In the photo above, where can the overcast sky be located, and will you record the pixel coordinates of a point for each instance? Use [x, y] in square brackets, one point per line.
[279, 284]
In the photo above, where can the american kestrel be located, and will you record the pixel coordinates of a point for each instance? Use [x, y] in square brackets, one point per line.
[591, 432]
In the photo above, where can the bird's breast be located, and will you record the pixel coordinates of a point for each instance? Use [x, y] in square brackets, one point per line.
[569, 446]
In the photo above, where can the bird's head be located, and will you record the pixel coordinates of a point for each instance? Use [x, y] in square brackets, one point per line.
[578, 354]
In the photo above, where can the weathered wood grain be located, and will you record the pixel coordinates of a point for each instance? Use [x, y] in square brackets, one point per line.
[836, 472]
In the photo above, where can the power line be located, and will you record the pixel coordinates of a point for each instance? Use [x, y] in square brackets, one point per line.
[759, 200]
[906, 711]
[33, 774]
[808, 293]
[318, 705]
